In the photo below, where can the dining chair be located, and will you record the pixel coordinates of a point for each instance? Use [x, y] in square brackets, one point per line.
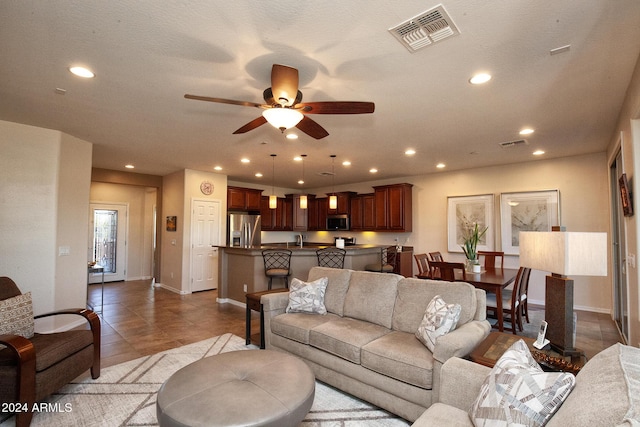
[331, 257]
[277, 263]
[490, 258]
[387, 263]
[423, 266]
[446, 270]
[436, 256]
[511, 301]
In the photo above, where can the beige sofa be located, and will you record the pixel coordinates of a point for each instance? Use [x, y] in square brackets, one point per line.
[607, 393]
[366, 346]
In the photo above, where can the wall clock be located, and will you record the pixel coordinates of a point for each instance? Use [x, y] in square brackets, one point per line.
[206, 187]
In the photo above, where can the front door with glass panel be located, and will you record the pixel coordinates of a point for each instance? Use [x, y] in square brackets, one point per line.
[107, 246]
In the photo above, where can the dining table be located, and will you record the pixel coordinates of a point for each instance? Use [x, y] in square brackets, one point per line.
[494, 281]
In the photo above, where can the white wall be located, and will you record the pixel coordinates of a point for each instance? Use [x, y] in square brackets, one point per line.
[44, 201]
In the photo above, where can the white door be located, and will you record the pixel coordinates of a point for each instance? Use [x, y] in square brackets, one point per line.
[108, 236]
[205, 234]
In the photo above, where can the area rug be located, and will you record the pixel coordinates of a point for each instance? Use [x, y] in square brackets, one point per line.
[125, 394]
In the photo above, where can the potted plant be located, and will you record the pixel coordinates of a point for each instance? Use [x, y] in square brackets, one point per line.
[472, 237]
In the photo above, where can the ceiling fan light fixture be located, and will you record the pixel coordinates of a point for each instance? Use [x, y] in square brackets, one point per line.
[282, 118]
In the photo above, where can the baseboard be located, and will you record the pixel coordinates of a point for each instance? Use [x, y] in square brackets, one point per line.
[81, 321]
[171, 289]
[231, 301]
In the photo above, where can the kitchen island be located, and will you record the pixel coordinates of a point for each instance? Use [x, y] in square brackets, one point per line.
[242, 267]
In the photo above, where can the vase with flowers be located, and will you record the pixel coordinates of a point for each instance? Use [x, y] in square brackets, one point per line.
[472, 236]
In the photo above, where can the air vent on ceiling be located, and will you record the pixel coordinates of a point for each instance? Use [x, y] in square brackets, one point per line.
[509, 144]
[422, 30]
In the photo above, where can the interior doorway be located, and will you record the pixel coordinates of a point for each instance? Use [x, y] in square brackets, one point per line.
[619, 251]
[107, 241]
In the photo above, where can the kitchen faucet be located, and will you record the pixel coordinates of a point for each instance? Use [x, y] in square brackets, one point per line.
[300, 238]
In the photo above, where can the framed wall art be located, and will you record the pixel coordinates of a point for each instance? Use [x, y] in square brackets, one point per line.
[172, 223]
[625, 195]
[465, 211]
[527, 211]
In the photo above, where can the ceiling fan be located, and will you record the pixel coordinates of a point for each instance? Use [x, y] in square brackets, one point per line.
[283, 107]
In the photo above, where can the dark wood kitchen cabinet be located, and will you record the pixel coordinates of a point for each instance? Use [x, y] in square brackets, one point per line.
[363, 212]
[317, 213]
[393, 207]
[243, 199]
[344, 203]
[300, 217]
[278, 219]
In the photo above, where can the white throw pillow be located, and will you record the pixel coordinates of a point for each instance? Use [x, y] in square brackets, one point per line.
[307, 297]
[518, 392]
[439, 319]
[16, 316]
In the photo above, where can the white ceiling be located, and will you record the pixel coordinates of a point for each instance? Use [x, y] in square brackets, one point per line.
[148, 54]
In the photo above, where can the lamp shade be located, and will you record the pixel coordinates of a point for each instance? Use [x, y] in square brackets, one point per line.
[565, 253]
[282, 118]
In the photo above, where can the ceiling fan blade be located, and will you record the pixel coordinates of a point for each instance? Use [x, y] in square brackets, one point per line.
[337, 107]
[284, 84]
[312, 128]
[226, 101]
[251, 125]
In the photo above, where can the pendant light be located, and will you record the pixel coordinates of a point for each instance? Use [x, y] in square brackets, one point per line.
[303, 197]
[333, 199]
[273, 200]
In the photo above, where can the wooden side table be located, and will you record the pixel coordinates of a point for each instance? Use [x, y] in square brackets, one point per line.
[493, 347]
[253, 303]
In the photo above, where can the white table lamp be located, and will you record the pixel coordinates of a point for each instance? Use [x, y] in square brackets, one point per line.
[563, 254]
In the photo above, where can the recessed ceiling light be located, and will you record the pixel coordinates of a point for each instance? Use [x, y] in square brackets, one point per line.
[410, 152]
[527, 131]
[373, 170]
[300, 182]
[297, 158]
[346, 163]
[538, 153]
[440, 165]
[245, 160]
[292, 136]
[218, 168]
[129, 166]
[258, 175]
[480, 78]
[82, 72]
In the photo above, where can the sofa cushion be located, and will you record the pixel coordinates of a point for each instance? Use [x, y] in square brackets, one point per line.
[518, 391]
[345, 337]
[336, 288]
[439, 319]
[371, 297]
[296, 326]
[439, 415]
[401, 356]
[606, 390]
[16, 316]
[307, 297]
[415, 294]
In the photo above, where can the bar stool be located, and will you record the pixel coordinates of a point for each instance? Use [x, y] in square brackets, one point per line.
[331, 257]
[277, 263]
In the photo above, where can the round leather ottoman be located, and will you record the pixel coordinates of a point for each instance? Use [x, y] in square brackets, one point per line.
[239, 388]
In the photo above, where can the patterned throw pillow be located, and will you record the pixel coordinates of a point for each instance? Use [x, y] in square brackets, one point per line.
[307, 297]
[16, 316]
[439, 319]
[518, 392]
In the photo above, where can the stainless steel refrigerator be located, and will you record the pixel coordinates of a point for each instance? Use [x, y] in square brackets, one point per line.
[243, 230]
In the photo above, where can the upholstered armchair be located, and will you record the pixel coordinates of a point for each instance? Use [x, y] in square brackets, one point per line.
[34, 365]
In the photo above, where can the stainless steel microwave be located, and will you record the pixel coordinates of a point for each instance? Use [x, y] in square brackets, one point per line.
[338, 222]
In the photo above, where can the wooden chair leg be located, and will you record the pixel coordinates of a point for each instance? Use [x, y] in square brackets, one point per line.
[270, 280]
